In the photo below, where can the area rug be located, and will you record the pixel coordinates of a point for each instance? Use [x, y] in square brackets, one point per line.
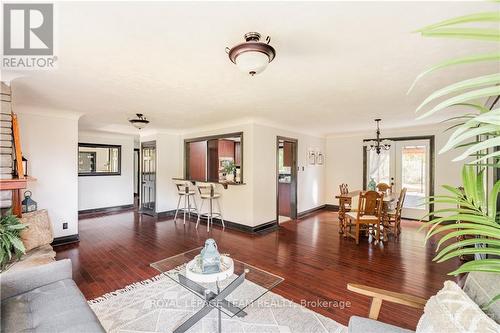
[161, 305]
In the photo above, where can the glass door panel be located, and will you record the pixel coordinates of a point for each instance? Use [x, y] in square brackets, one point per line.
[412, 173]
[379, 166]
[404, 165]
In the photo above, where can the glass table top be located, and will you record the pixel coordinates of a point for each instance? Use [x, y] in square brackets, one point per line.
[257, 282]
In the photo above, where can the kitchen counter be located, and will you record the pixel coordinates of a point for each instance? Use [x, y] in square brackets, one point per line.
[224, 184]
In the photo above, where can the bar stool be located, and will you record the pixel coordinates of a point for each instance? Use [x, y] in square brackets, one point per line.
[185, 191]
[207, 193]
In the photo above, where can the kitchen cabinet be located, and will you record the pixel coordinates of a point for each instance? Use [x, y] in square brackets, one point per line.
[237, 153]
[226, 149]
[197, 160]
[287, 154]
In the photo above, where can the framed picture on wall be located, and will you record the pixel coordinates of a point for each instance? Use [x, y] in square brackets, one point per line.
[319, 158]
[311, 157]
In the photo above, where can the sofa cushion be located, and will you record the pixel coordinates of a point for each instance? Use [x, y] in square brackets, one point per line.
[40, 256]
[481, 287]
[39, 230]
[451, 310]
[365, 325]
[55, 307]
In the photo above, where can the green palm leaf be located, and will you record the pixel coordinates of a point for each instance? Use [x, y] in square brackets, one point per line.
[466, 33]
[464, 133]
[457, 61]
[476, 82]
[466, 242]
[492, 200]
[470, 95]
[487, 144]
[484, 265]
[477, 17]
[469, 250]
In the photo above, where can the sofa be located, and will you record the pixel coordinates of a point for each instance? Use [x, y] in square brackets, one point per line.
[45, 298]
[452, 309]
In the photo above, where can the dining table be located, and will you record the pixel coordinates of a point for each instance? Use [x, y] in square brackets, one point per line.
[345, 200]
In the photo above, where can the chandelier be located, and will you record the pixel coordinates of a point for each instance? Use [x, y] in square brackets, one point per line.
[378, 144]
[252, 56]
[140, 122]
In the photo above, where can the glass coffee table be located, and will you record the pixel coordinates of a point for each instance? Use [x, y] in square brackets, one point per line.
[230, 296]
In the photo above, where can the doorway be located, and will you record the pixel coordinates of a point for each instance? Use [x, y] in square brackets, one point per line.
[409, 164]
[286, 179]
[148, 178]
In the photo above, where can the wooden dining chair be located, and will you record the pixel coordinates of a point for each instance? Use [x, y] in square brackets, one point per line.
[393, 223]
[344, 189]
[368, 215]
[383, 187]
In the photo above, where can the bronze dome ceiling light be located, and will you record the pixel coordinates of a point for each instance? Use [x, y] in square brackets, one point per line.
[252, 56]
[140, 122]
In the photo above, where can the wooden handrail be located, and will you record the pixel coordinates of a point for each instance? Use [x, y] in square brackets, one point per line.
[379, 295]
[17, 144]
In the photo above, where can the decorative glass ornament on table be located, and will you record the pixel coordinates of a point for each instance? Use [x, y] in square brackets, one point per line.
[372, 185]
[210, 257]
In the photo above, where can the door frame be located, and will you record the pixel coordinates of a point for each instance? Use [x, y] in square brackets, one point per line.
[432, 163]
[141, 210]
[138, 189]
[294, 173]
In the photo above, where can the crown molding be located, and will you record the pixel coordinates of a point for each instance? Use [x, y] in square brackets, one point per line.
[46, 112]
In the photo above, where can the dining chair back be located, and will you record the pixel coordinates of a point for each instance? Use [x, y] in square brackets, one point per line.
[347, 202]
[368, 216]
[399, 204]
[392, 222]
[370, 203]
[344, 188]
[383, 187]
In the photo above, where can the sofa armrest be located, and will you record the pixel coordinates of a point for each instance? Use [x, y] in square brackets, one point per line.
[365, 325]
[18, 282]
[379, 295]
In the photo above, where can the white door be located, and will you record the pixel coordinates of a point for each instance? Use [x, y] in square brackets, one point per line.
[405, 164]
[412, 160]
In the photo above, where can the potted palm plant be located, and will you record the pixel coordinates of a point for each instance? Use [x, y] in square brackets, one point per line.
[11, 246]
[477, 133]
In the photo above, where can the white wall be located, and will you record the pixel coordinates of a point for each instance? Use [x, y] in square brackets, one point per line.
[345, 159]
[108, 191]
[49, 141]
[310, 181]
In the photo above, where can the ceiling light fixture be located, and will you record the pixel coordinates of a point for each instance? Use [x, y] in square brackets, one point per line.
[140, 122]
[378, 144]
[252, 56]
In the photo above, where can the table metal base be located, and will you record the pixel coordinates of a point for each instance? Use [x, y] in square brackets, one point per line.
[212, 301]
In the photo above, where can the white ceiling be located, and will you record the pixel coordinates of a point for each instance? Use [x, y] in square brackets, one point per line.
[338, 64]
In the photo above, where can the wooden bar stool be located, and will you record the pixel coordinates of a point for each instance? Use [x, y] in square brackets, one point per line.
[185, 192]
[207, 192]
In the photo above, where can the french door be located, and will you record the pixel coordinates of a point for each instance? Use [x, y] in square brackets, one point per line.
[405, 165]
[148, 178]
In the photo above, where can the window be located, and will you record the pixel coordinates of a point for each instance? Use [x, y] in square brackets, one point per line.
[216, 158]
[99, 160]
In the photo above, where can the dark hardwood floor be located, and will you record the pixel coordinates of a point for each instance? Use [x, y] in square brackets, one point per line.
[314, 259]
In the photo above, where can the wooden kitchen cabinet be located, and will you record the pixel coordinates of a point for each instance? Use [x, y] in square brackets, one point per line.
[287, 154]
[226, 148]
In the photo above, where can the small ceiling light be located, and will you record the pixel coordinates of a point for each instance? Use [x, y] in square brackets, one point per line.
[252, 56]
[140, 122]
